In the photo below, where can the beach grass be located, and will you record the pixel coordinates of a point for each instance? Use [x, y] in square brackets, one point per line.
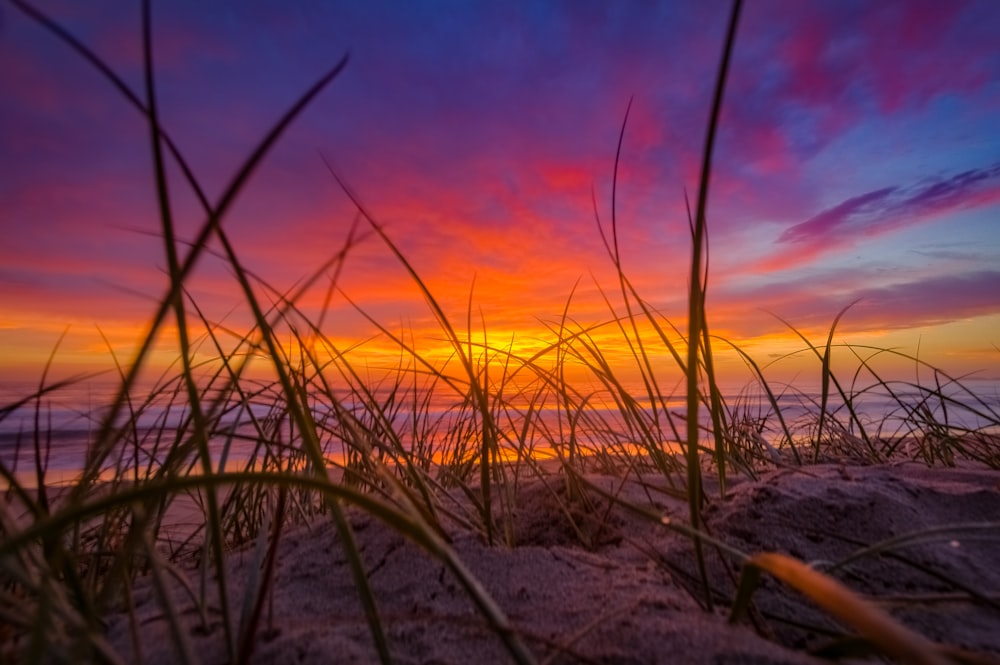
[229, 460]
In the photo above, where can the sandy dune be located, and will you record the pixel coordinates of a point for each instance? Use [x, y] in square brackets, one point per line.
[630, 596]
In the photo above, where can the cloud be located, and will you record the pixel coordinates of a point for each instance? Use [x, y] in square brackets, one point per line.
[880, 212]
[811, 304]
[806, 75]
[475, 133]
[854, 214]
[930, 301]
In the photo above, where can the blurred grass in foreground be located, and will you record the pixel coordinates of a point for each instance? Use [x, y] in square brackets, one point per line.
[239, 458]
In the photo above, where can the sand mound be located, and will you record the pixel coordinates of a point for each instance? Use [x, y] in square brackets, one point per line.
[828, 513]
[614, 588]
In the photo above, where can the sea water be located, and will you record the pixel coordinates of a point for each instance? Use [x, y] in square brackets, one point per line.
[61, 427]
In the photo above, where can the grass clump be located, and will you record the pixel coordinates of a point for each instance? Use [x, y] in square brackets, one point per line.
[207, 458]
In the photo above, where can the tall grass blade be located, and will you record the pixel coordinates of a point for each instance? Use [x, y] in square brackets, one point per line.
[771, 397]
[490, 437]
[214, 544]
[828, 377]
[696, 299]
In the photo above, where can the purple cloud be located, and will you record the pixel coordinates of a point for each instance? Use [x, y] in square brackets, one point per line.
[882, 210]
[811, 305]
[937, 299]
[855, 212]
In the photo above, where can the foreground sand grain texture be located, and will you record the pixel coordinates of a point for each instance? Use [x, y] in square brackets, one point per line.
[623, 600]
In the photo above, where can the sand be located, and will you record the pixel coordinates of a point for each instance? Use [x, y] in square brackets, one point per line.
[631, 596]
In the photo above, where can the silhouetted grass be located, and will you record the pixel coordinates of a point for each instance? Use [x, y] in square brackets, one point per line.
[239, 458]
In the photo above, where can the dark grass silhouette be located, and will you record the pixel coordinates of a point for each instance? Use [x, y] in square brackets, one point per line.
[158, 504]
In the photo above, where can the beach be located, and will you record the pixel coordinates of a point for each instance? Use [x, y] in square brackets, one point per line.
[587, 580]
[374, 396]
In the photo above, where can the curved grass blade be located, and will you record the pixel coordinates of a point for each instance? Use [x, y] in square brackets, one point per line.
[210, 226]
[771, 398]
[406, 522]
[890, 636]
[490, 435]
[949, 532]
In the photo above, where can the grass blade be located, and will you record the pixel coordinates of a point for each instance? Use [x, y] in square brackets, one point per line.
[877, 626]
[696, 298]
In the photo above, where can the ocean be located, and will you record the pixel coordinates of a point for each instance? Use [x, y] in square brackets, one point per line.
[64, 424]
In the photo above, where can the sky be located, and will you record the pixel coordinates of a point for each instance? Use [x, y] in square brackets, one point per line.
[858, 160]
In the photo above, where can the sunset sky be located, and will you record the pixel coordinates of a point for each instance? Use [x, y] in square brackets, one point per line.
[859, 158]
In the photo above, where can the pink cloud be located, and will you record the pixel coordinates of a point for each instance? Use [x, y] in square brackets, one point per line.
[810, 71]
[570, 178]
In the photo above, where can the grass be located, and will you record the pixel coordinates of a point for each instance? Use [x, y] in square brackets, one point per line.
[247, 457]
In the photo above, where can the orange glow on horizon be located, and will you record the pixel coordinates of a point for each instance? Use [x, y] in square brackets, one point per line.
[782, 356]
